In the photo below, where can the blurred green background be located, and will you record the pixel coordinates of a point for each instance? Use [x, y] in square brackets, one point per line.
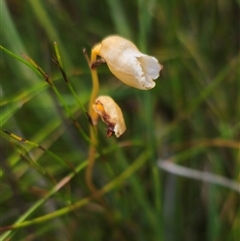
[190, 119]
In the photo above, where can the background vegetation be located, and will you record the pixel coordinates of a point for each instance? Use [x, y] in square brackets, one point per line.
[190, 119]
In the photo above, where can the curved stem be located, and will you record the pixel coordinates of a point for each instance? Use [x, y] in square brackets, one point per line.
[95, 82]
[93, 130]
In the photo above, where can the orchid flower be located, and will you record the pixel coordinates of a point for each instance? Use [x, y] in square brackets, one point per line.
[127, 63]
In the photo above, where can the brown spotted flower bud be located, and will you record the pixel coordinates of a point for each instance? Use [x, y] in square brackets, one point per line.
[110, 114]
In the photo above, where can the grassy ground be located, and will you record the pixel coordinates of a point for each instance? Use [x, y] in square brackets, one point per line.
[174, 174]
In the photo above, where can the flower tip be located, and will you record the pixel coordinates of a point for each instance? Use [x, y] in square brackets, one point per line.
[161, 68]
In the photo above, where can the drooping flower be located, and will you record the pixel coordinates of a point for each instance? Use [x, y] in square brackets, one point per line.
[110, 114]
[127, 63]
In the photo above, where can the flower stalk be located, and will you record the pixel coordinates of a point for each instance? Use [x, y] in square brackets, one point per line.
[134, 69]
[93, 131]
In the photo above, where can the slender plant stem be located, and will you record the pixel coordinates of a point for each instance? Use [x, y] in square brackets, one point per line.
[54, 190]
[93, 131]
[59, 63]
[36, 145]
[138, 163]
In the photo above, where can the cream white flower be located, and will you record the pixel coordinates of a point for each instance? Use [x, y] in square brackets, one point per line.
[128, 64]
[110, 114]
